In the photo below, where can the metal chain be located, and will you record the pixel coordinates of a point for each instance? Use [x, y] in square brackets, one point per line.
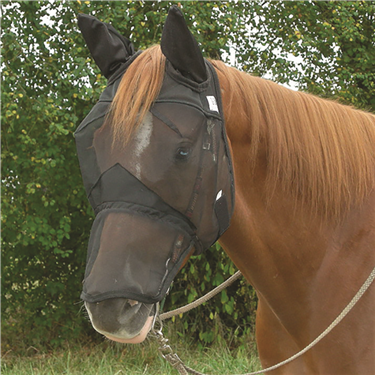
[167, 352]
[165, 349]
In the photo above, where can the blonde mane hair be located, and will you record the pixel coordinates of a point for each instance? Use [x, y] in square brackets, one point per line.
[320, 151]
[138, 89]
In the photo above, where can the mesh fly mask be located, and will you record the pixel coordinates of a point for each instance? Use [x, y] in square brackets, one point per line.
[171, 188]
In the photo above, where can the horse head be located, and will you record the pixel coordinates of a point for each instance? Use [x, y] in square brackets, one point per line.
[157, 171]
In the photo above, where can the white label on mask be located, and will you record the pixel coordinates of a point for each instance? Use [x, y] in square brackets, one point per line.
[212, 103]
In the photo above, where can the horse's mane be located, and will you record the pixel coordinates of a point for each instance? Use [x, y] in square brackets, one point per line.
[320, 151]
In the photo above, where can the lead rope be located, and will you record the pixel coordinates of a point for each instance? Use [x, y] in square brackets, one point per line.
[201, 300]
[168, 354]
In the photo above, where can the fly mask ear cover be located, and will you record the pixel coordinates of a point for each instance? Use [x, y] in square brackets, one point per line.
[140, 237]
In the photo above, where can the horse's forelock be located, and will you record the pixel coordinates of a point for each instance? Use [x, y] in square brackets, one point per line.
[138, 89]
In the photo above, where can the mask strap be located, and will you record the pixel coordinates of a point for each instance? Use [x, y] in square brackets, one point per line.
[166, 121]
[198, 181]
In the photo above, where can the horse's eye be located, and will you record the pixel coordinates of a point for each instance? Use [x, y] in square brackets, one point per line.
[183, 153]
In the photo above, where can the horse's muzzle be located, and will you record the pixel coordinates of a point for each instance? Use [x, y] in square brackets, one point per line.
[121, 319]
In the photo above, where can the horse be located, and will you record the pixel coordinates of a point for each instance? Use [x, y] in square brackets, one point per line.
[302, 225]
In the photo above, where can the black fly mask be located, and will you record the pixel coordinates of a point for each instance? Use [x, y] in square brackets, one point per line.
[171, 188]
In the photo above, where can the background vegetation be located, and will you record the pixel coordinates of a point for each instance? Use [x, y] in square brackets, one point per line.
[114, 359]
[49, 84]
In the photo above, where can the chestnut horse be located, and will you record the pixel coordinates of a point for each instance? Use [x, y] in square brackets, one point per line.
[303, 227]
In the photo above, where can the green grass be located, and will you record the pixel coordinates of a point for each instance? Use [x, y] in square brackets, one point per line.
[116, 359]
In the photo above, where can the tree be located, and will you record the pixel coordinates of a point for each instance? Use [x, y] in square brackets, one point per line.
[326, 47]
[45, 218]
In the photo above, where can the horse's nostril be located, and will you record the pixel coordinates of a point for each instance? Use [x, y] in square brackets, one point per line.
[132, 302]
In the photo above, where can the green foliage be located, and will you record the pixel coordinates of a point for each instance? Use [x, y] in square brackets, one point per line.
[49, 84]
[108, 358]
[45, 218]
[326, 47]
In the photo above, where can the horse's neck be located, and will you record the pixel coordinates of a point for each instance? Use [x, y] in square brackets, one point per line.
[288, 255]
[304, 267]
[274, 239]
[270, 238]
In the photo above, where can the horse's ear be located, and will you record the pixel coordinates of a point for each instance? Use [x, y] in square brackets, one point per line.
[108, 48]
[180, 48]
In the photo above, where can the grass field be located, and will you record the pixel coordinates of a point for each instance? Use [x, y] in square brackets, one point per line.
[115, 359]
